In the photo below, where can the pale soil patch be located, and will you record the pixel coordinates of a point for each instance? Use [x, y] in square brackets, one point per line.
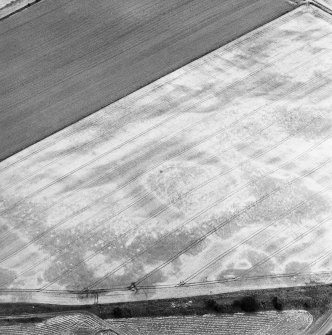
[219, 170]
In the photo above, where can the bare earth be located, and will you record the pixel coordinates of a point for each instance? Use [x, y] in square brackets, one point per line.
[66, 59]
[218, 171]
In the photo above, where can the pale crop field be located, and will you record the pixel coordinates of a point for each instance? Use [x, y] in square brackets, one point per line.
[219, 171]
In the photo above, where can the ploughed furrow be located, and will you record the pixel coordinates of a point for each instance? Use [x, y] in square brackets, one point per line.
[268, 323]
[71, 324]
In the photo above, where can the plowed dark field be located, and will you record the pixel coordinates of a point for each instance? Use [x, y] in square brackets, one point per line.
[63, 60]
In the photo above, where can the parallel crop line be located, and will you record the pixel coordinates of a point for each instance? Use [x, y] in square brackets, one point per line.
[198, 241]
[145, 195]
[261, 68]
[190, 220]
[193, 65]
[251, 237]
[164, 209]
[285, 246]
[118, 188]
[124, 185]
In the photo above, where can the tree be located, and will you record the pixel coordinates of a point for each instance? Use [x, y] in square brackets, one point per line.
[213, 305]
[277, 304]
[249, 304]
[117, 312]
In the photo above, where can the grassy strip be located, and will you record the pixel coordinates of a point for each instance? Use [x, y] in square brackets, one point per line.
[314, 299]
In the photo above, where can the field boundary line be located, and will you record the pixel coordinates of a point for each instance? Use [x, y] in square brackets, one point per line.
[160, 286]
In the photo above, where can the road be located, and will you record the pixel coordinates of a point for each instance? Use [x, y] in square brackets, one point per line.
[323, 328]
[63, 60]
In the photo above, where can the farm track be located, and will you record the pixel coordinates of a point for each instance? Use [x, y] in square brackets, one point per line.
[57, 46]
[326, 6]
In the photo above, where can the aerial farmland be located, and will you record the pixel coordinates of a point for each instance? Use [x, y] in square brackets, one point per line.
[218, 170]
[212, 179]
[74, 57]
[291, 322]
